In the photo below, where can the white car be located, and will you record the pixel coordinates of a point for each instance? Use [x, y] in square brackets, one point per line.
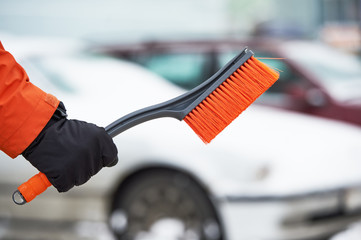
[271, 174]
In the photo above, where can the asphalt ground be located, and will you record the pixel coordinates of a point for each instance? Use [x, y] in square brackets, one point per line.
[20, 229]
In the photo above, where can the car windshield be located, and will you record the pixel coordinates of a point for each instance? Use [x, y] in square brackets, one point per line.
[57, 71]
[337, 72]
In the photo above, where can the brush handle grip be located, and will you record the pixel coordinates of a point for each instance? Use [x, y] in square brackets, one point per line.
[36, 185]
[27, 191]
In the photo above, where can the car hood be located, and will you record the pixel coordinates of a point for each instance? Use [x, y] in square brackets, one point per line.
[305, 154]
[263, 151]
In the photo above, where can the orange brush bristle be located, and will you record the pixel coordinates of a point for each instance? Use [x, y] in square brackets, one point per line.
[230, 99]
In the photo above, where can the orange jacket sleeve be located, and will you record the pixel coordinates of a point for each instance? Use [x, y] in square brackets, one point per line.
[24, 108]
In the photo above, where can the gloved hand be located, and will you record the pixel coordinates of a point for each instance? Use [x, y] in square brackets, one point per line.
[69, 152]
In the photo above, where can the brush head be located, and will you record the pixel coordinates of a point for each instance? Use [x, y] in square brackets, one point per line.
[230, 99]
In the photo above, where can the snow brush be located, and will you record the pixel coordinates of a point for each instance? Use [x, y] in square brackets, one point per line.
[207, 109]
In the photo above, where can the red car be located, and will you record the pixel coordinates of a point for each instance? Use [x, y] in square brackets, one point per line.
[315, 79]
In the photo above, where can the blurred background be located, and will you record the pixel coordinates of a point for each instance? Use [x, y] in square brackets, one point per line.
[335, 22]
[290, 168]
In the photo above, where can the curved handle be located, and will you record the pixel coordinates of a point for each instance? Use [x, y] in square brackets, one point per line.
[30, 189]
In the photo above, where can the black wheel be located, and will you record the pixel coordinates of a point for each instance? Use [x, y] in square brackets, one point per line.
[163, 204]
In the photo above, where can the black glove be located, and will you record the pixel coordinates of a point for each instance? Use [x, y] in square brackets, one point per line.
[69, 152]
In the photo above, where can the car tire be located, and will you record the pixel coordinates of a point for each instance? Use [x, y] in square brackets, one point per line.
[163, 204]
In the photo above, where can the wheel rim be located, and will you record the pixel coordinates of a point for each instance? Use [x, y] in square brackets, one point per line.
[173, 201]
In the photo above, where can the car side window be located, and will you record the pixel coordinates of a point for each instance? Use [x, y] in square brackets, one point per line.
[286, 74]
[183, 69]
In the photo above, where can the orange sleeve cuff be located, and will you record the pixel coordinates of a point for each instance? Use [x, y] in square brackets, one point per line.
[24, 108]
[30, 128]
